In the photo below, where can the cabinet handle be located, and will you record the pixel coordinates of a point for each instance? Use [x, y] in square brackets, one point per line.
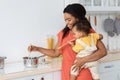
[42, 78]
[109, 66]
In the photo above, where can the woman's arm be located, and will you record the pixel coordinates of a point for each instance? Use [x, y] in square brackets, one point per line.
[101, 52]
[49, 52]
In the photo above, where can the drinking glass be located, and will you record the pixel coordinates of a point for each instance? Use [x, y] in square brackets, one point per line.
[50, 44]
[50, 41]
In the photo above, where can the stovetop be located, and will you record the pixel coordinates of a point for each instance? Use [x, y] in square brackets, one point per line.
[18, 67]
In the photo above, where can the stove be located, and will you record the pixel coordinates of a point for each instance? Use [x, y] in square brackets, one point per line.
[18, 67]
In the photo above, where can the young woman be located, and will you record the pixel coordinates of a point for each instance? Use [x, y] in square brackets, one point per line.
[72, 14]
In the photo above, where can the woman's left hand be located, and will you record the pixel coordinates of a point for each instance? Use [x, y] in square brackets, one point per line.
[79, 63]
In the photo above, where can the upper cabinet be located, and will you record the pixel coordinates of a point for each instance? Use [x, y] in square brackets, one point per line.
[98, 6]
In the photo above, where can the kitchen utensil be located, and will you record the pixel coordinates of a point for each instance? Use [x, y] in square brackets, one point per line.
[31, 62]
[117, 26]
[109, 26]
[95, 21]
[65, 44]
[2, 61]
[89, 18]
[62, 46]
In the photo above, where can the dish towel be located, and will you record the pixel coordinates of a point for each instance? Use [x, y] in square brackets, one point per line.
[109, 26]
[117, 26]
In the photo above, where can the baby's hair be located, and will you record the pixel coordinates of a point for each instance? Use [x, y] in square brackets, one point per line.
[83, 25]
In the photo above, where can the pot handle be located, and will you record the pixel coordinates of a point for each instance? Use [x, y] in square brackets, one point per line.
[3, 57]
[41, 56]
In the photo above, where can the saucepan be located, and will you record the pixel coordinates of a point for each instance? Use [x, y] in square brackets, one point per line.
[31, 62]
[2, 61]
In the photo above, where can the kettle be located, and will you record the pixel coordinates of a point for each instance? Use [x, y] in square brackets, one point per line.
[2, 62]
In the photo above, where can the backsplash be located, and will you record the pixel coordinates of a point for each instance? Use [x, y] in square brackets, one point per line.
[97, 22]
[25, 22]
[33, 21]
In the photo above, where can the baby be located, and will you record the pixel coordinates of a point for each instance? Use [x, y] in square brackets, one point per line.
[85, 45]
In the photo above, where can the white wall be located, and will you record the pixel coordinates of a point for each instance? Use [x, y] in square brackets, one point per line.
[24, 22]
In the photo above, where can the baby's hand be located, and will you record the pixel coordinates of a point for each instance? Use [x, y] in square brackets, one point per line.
[71, 43]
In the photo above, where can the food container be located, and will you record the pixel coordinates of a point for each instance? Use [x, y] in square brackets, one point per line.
[31, 62]
[2, 62]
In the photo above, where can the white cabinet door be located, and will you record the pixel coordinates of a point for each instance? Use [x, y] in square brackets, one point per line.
[97, 5]
[25, 78]
[118, 76]
[57, 75]
[109, 76]
[110, 70]
[46, 76]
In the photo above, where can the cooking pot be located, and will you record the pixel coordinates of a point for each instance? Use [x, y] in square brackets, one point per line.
[2, 62]
[31, 62]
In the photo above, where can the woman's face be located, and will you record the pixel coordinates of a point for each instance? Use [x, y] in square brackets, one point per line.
[69, 20]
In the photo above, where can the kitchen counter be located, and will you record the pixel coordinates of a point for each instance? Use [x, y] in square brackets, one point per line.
[111, 56]
[17, 70]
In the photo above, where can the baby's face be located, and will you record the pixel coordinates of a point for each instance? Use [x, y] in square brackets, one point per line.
[77, 34]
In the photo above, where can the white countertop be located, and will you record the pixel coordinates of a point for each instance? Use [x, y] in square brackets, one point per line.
[17, 70]
[111, 56]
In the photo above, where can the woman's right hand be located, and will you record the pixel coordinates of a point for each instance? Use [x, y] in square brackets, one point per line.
[32, 48]
[49, 52]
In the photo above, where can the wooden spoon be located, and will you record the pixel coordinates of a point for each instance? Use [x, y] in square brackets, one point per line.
[89, 18]
[65, 44]
[95, 21]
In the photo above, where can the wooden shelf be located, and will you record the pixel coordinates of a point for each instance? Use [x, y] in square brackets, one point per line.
[114, 52]
[103, 6]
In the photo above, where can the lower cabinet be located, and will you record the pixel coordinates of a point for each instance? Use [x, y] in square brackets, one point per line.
[47, 76]
[57, 75]
[109, 76]
[110, 70]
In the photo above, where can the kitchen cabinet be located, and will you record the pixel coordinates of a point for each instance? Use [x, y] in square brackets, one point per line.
[17, 71]
[47, 76]
[57, 75]
[97, 6]
[110, 70]
[109, 76]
